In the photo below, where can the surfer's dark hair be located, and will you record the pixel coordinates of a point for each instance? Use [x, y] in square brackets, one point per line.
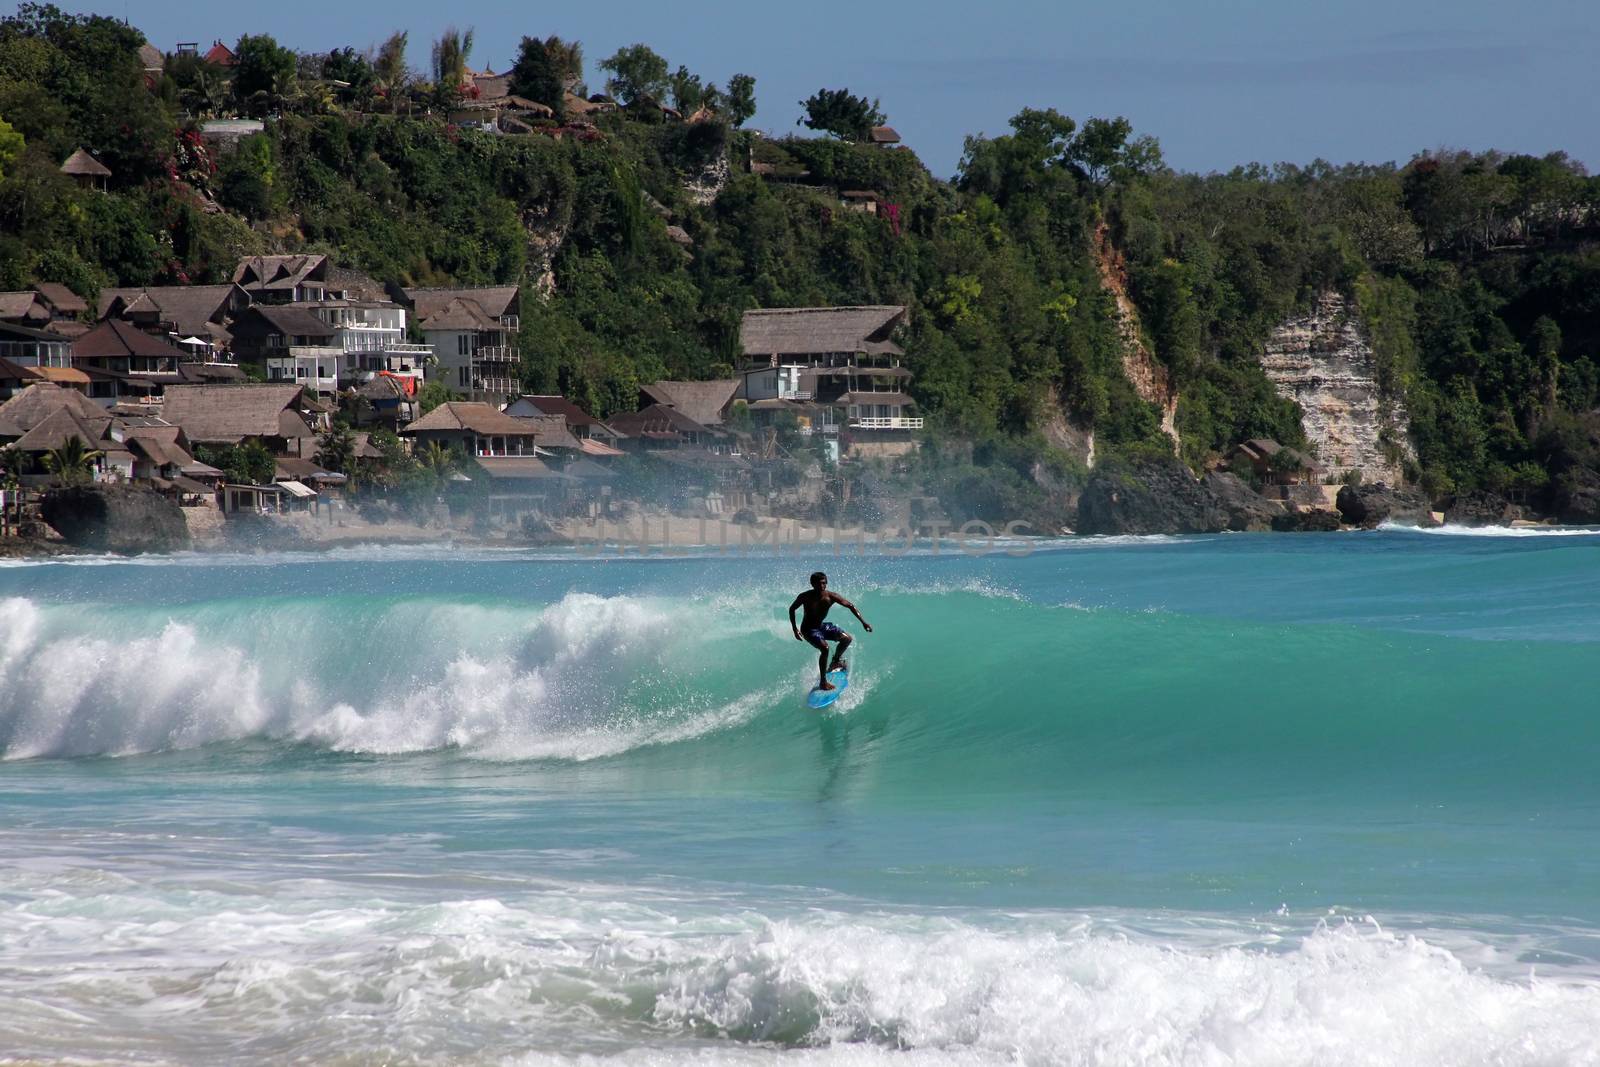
[817, 577]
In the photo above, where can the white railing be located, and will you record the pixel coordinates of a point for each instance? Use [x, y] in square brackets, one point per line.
[891, 423]
[799, 395]
[496, 353]
[405, 348]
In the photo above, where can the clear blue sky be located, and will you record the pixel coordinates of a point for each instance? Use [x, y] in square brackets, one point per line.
[1219, 82]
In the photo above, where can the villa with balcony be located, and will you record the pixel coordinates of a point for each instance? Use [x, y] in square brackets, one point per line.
[838, 371]
[371, 335]
[473, 333]
[292, 343]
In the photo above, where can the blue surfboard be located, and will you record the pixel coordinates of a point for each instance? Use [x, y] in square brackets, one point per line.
[818, 699]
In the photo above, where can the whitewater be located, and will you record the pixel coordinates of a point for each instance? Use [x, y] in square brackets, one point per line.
[1246, 799]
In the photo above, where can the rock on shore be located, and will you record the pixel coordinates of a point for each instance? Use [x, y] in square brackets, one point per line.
[120, 519]
[1372, 505]
[1153, 496]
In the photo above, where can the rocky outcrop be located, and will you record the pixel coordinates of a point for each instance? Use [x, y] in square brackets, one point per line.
[1577, 496]
[1373, 505]
[1150, 379]
[1323, 361]
[104, 518]
[1247, 510]
[1480, 507]
[1307, 520]
[704, 188]
[1152, 497]
[544, 241]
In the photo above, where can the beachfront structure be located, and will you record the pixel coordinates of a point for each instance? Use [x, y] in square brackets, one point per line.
[594, 437]
[484, 431]
[656, 427]
[473, 333]
[837, 370]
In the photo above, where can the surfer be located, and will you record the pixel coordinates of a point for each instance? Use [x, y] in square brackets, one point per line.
[815, 630]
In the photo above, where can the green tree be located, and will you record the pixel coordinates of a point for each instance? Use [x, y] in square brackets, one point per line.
[689, 93]
[391, 75]
[840, 113]
[432, 394]
[336, 450]
[450, 53]
[11, 146]
[637, 72]
[538, 74]
[264, 77]
[740, 99]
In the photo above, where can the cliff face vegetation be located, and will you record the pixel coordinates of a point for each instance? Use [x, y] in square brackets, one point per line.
[1065, 276]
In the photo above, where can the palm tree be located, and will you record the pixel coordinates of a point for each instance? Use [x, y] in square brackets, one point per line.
[73, 462]
[314, 98]
[206, 96]
[438, 460]
[450, 54]
[389, 70]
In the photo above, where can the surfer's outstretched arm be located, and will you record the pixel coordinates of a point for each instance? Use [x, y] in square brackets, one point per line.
[865, 625]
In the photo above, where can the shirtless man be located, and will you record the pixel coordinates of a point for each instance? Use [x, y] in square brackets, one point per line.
[813, 629]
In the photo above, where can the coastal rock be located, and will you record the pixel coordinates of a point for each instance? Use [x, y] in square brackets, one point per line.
[1480, 507]
[1307, 520]
[1246, 509]
[1577, 496]
[1323, 360]
[1372, 505]
[1155, 496]
[120, 519]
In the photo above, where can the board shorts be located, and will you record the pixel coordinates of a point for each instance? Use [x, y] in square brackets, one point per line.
[825, 632]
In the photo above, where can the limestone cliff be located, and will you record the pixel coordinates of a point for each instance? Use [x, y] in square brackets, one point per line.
[1323, 360]
[1150, 379]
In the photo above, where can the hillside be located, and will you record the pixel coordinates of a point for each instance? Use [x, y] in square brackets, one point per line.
[1066, 286]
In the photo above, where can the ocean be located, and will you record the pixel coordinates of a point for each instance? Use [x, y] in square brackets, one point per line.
[1246, 799]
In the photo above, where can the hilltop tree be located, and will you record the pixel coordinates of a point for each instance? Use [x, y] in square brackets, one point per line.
[568, 59]
[1103, 151]
[688, 91]
[741, 99]
[450, 54]
[353, 69]
[264, 76]
[390, 73]
[539, 75]
[636, 72]
[1024, 161]
[840, 113]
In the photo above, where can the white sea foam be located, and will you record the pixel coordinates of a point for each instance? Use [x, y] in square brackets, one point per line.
[314, 972]
[584, 678]
[1450, 530]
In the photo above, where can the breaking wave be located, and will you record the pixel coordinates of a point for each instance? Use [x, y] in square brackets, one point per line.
[320, 976]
